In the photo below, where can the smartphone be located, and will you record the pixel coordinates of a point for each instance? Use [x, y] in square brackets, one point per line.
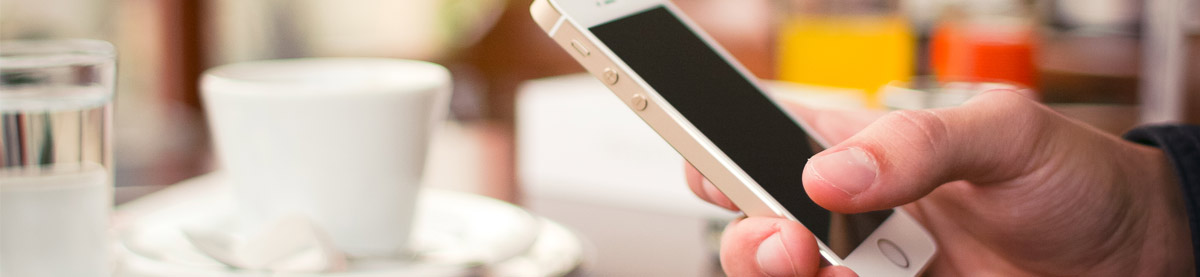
[714, 113]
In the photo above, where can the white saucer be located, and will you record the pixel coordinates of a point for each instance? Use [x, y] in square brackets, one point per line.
[456, 234]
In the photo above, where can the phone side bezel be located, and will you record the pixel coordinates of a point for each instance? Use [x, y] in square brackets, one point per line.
[711, 161]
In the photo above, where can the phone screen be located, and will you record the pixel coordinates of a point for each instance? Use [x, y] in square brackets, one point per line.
[727, 108]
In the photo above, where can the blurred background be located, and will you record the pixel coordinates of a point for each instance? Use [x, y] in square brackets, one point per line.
[1115, 63]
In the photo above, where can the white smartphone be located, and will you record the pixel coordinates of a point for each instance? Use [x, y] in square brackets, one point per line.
[715, 114]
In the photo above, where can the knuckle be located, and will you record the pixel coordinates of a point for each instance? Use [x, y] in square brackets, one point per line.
[1011, 102]
[1016, 112]
[1002, 93]
[924, 129]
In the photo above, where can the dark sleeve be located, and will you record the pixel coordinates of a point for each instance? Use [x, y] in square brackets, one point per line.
[1181, 144]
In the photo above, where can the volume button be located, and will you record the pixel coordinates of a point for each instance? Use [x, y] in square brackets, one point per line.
[610, 76]
[638, 102]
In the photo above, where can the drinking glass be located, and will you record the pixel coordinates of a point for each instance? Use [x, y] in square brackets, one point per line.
[55, 157]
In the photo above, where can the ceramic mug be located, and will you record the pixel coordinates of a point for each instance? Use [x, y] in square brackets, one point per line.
[341, 141]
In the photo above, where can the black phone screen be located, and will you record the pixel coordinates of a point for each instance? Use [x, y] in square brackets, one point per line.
[726, 107]
[722, 104]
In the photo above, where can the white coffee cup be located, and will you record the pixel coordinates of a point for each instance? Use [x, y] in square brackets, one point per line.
[341, 141]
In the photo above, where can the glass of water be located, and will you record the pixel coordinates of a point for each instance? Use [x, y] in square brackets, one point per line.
[55, 157]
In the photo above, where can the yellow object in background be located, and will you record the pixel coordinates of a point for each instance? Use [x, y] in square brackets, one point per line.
[852, 51]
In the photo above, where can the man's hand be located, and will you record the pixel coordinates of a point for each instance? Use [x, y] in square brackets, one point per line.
[1005, 185]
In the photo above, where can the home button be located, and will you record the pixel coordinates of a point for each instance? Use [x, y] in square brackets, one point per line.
[893, 253]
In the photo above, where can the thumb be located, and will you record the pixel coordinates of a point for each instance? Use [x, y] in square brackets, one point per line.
[907, 154]
[767, 246]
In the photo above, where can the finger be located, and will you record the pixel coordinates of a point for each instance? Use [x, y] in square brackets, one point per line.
[764, 246]
[907, 154]
[705, 189]
[832, 125]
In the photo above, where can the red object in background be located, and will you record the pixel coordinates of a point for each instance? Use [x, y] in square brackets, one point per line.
[984, 51]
